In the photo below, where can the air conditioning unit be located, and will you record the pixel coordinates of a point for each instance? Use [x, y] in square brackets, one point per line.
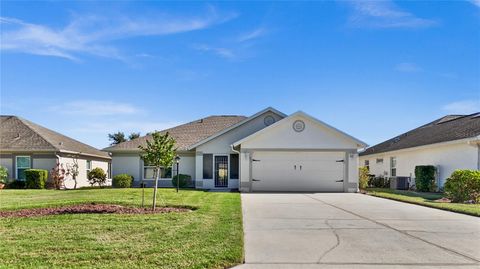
[399, 183]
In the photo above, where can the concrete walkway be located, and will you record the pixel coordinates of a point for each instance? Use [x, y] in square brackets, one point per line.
[342, 230]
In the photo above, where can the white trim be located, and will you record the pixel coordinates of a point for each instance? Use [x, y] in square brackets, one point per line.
[271, 109]
[446, 143]
[16, 164]
[360, 143]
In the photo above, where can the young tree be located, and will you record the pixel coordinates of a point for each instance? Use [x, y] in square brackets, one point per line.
[117, 138]
[133, 136]
[57, 175]
[159, 152]
[72, 170]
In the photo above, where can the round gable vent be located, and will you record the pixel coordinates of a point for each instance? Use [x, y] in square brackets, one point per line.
[298, 126]
[269, 120]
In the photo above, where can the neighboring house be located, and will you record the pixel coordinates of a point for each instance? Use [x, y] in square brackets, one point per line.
[268, 151]
[449, 143]
[25, 145]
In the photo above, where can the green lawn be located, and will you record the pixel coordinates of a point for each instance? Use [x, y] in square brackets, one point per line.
[425, 199]
[209, 237]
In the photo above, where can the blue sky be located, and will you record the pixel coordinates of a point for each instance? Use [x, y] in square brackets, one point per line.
[371, 69]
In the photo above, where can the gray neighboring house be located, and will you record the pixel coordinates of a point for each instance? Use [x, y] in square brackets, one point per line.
[449, 143]
[25, 145]
[268, 151]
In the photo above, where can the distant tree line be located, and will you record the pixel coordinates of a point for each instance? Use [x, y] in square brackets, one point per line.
[119, 137]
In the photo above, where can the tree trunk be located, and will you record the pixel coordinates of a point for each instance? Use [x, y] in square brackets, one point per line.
[157, 173]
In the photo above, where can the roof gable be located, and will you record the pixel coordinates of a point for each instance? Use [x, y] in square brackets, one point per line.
[19, 134]
[444, 129]
[246, 120]
[321, 136]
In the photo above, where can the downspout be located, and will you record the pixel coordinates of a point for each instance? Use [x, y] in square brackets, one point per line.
[478, 158]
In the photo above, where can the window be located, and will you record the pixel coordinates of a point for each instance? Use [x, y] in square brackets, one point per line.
[379, 160]
[149, 172]
[89, 166]
[393, 166]
[166, 173]
[22, 163]
[234, 165]
[367, 164]
[207, 166]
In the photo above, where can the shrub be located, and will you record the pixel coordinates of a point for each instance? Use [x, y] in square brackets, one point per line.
[379, 182]
[185, 180]
[35, 178]
[122, 181]
[363, 177]
[3, 175]
[16, 184]
[425, 178]
[463, 185]
[97, 176]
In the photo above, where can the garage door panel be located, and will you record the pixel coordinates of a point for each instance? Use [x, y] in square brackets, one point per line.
[297, 171]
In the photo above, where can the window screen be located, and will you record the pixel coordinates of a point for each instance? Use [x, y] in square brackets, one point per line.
[234, 164]
[207, 166]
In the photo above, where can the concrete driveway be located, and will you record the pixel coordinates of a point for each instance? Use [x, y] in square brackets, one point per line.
[343, 230]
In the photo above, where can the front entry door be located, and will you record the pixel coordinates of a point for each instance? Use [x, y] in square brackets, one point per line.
[221, 171]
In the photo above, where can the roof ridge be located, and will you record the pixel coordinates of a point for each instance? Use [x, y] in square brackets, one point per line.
[27, 123]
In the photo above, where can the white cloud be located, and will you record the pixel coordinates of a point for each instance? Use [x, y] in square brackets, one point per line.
[96, 108]
[111, 126]
[236, 48]
[385, 14]
[408, 67]
[219, 51]
[475, 2]
[256, 33]
[91, 34]
[463, 107]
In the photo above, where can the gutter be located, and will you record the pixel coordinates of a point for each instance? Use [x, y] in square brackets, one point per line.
[234, 150]
[470, 141]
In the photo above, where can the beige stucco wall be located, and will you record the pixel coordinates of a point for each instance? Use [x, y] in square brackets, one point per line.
[222, 143]
[44, 163]
[447, 157]
[127, 164]
[315, 136]
[82, 169]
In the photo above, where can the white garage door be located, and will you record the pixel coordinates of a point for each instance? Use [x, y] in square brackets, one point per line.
[298, 171]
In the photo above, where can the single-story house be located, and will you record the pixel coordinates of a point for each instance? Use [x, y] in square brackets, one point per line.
[268, 151]
[25, 145]
[449, 143]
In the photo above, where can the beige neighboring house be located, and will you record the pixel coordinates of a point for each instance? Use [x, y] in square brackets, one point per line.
[268, 151]
[449, 143]
[25, 145]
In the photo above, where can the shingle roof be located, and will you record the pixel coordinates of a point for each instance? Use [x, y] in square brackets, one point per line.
[186, 134]
[18, 134]
[448, 128]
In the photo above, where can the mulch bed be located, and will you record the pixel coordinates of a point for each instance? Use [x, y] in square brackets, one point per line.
[88, 209]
